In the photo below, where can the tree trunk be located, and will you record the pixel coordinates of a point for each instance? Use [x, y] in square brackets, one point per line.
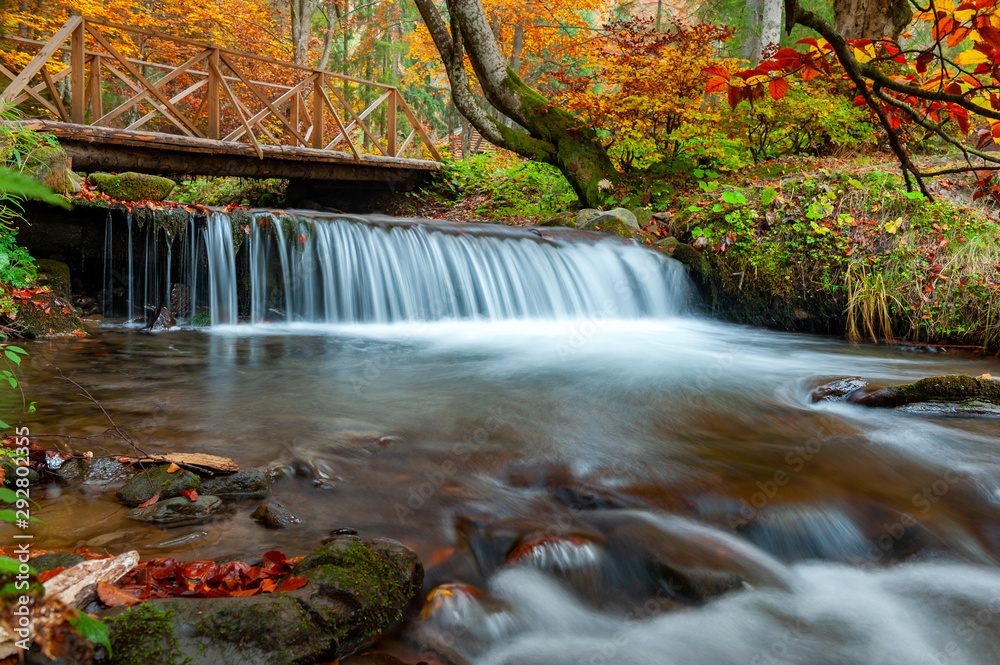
[770, 27]
[553, 135]
[871, 19]
[300, 15]
[752, 19]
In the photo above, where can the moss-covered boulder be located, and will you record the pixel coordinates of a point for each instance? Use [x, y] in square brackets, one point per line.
[133, 186]
[47, 315]
[959, 389]
[54, 275]
[560, 219]
[52, 560]
[607, 223]
[250, 483]
[49, 165]
[144, 486]
[357, 589]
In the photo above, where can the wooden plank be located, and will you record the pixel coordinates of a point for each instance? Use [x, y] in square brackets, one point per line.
[21, 80]
[264, 113]
[194, 461]
[420, 129]
[317, 135]
[239, 113]
[159, 109]
[143, 93]
[359, 119]
[77, 61]
[213, 96]
[176, 98]
[135, 73]
[257, 93]
[340, 126]
[96, 101]
[28, 92]
[390, 142]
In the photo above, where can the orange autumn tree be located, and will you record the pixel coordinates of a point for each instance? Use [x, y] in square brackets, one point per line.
[947, 84]
[644, 94]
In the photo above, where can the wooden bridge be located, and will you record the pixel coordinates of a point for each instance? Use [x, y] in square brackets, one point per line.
[188, 107]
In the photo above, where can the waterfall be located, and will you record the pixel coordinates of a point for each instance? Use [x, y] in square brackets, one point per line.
[273, 266]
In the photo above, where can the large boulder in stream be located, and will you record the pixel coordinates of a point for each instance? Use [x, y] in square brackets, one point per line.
[156, 481]
[950, 393]
[356, 590]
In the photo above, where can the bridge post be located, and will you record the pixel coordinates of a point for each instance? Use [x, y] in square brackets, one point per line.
[214, 86]
[96, 102]
[317, 130]
[78, 73]
[391, 123]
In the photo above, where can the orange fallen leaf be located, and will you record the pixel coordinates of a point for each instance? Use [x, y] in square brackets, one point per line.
[293, 583]
[150, 502]
[173, 468]
[112, 596]
[47, 575]
[192, 495]
[987, 375]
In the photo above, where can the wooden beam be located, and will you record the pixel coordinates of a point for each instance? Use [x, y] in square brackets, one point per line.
[214, 86]
[343, 130]
[359, 119]
[77, 58]
[390, 142]
[59, 112]
[17, 85]
[50, 85]
[96, 101]
[260, 115]
[317, 133]
[264, 100]
[159, 109]
[135, 73]
[236, 108]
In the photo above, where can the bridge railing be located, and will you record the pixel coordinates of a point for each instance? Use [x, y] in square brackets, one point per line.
[201, 90]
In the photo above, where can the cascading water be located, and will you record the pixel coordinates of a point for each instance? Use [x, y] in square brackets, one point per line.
[322, 269]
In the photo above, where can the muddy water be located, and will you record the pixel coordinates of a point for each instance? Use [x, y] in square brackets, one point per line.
[867, 536]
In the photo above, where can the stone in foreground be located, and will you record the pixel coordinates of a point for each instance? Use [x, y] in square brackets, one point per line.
[357, 589]
[133, 186]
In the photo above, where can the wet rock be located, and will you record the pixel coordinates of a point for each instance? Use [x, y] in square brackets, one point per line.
[560, 219]
[357, 589]
[144, 486]
[47, 315]
[608, 223]
[642, 216]
[55, 275]
[164, 320]
[53, 560]
[49, 165]
[97, 471]
[10, 469]
[180, 509]
[274, 514]
[251, 483]
[585, 215]
[958, 389]
[837, 391]
[133, 186]
[180, 297]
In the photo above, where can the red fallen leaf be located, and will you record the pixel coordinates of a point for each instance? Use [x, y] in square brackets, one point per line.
[112, 596]
[302, 237]
[937, 266]
[49, 574]
[229, 571]
[273, 555]
[199, 570]
[267, 586]
[293, 583]
[150, 501]
[245, 592]
[161, 569]
[192, 495]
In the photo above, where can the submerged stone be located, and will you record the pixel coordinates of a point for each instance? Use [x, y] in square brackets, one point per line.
[180, 509]
[957, 389]
[248, 482]
[144, 486]
[838, 390]
[274, 514]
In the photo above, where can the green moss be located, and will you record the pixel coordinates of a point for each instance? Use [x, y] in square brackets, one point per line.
[133, 186]
[33, 320]
[144, 635]
[951, 388]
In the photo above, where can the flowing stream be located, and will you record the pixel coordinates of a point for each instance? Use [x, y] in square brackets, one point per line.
[582, 461]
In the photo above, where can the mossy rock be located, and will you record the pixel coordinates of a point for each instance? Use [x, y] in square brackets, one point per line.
[55, 275]
[144, 486]
[642, 216]
[10, 469]
[53, 316]
[247, 482]
[560, 219]
[52, 560]
[133, 186]
[49, 165]
[356, 590]
[951, 388]
[607, 223]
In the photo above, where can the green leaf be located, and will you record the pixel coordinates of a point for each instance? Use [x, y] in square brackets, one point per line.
[855, 183]
[31, 407]
[12, 381]
[16, 184]
[7, 496]
[768, 196]
[4, 425]
[11, 566]
[11, 516]
[16, 349]
[13, 357]
[94, 630]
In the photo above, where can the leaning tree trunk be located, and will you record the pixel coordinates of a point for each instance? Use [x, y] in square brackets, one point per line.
[553, 135]
[871, 19]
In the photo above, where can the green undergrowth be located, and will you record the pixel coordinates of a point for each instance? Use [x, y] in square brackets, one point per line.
[221, 191]
[847, 252]
[498, 186]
